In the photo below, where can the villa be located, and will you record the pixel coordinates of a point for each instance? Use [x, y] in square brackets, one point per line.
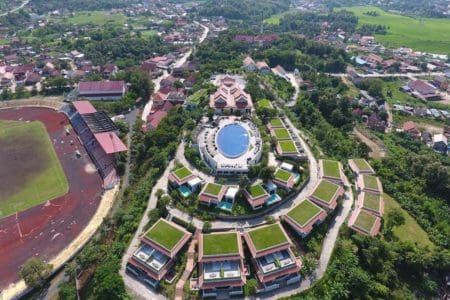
[272, 258]
[331, 170]
[212, 194]
[360, 166]
[221, 265]
[365, 223]
[372, 203]
[230, 97]
[180, 176]
[256, 196]
[369, 183]
[249, 64]
[304, 217]
[158, 251]
[284, 179]
[326, 194]
[287, 148]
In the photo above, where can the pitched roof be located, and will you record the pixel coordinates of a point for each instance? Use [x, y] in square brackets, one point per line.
[84, 107]
[87, 87]
[110, 142]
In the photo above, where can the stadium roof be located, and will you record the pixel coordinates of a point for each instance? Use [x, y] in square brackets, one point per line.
[110, 142]
[84, 107]
[99, 122]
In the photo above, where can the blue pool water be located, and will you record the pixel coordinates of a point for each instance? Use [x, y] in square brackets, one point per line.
[185, 191]
[232, 140]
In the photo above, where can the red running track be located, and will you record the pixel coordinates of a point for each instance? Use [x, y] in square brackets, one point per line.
[46, 229]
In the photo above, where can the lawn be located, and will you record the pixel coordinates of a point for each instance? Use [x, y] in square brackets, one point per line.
[256, 191]
[365, 221]
[195, 98]
[421, 34]
[288, 146]
[220, 244]
[370, 182]
[276, 122]
[362, 164]
[182, 173]
[96, 18]
[411, 230]
[30, 169]
[325, 190]
[282, 134]
[164, 234]
[304, 212]
[331, 168]
[372, 201]
[282, 175]
[264, 103]
[267, 237]
[213, 189]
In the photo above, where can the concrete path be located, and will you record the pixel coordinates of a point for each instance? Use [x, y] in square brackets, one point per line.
[190, 264]
[15, 8]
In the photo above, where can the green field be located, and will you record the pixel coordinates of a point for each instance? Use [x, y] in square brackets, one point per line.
[411, 230]
[264, 103]
[220, 244]
[370, 182]
[331, 168]
[304, 212]
[267, 237]
[424, 34]
[276, 122]
[96, 18]
[288, 146]
[164, 234]
[362, 164]
[30, 169]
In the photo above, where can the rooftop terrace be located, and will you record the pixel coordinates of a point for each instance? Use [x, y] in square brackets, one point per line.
[282, 175]
[165, 235]
[331, 168]
[288, 146]
[325, 191]
[281, 133]
[304, 212]
[212, 189]
[365, 221]
[256, 191]
[267, 237]
[370, 181]
[372, 201]
[276, 122]
[182, 173]
[217, 244]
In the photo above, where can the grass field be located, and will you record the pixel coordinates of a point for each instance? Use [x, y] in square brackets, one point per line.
[365, 221]
[165, 235]
[428, 35]
[182, 173]
[96, 18]
[30, 169]
[276, 122]
[288, 146]
[411, 230]
[267, 237]
[304, 212]
[222, 243]
[282, 134]
[264, 103]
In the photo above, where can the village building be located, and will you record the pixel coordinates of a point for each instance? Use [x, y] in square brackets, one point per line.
[101, 90]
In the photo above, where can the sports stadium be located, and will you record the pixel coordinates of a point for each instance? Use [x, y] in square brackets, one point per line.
[55, 165]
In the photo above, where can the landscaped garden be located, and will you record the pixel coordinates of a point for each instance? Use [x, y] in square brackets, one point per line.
[304, 212]
[267, 237]
[165, 235]
[220, 244]
[325, 190]
[365, 221]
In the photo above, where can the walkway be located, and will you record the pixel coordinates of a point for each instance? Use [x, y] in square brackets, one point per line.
[190, 264]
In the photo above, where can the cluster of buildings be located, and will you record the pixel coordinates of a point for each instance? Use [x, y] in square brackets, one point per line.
[288, 145]
[369, 208]
[438, 142]
[262, 67]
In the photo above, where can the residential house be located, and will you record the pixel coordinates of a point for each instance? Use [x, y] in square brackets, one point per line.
[374, 122]
[249, 64]
[440, 143]
[423, 90]
[411, 129]
[263, 67]
[272, 257]
[304, 216]
[326, 194]
[221, 265]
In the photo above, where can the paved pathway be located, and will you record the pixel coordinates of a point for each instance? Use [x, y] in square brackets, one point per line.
[16, 8]
[190, 264]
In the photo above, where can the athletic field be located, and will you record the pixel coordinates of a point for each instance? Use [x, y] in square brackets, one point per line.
[421, 34]
[30, 170]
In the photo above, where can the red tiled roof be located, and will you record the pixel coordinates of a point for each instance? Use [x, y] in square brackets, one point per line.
[110, 142]
[156, 118]
[101, 86]
[84, 107]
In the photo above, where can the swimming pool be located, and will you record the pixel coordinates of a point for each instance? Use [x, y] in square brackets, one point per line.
[233, 140]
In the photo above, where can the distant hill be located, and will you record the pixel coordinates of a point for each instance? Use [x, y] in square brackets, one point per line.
[243, 9]
[43, 6]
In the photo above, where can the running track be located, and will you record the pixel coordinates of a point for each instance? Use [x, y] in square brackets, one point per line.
[46, 229]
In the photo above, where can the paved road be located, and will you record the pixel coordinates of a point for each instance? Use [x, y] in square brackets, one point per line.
[16, 8]
[407, 75]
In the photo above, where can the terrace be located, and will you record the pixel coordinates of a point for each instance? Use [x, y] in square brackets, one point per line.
[331, 170]
[373, 203]
[218, 244]
[369, 183]
[364, 222]
[304, 216]
[276, 123]
[165, 234]
[212, 193]
[360, 166]
[181, 176]
[287, 148]
[151, 258]
[326, 194]
[267, 237]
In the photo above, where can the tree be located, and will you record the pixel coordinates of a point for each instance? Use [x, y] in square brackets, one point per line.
[394, 218]
[108, 283]
[244, 182]
[250, 287]
[34, 271]
[309, 264]
[207, 227]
